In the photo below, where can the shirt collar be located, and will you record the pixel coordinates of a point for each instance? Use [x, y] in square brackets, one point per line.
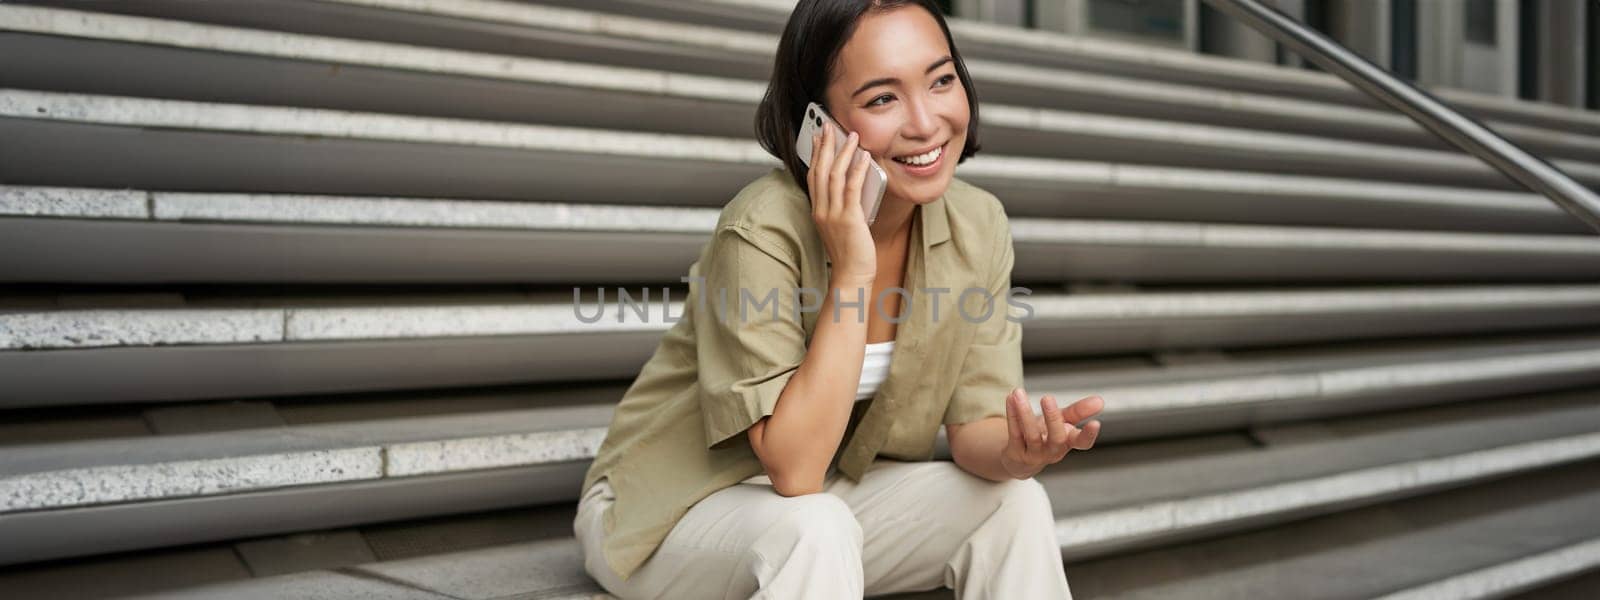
[936, 220]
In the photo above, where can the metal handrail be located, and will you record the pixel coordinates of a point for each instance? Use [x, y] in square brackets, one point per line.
[1437, 117]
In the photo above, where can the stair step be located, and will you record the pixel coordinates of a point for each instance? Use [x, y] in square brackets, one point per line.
[179, 145]
[1449, 489]
[567, 33]
[226, 64]
[144, 236]
[98, 489]
[265, 346]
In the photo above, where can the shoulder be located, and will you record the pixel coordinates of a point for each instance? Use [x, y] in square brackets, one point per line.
[771, 212]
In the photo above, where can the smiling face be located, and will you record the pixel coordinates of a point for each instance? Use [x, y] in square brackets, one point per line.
[896, 86]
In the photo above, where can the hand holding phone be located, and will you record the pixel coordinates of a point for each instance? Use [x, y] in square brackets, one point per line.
[816, 121]
[836, 177]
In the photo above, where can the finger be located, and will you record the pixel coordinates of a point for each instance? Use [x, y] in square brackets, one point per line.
[1032, 429]
[1057, 440]
[811, 174]
[1084, 409]
[1013, 422]
[822, 166]
[1085, 440]
[841, 175]
[1019, 411]
[858, 178]
[845, 153]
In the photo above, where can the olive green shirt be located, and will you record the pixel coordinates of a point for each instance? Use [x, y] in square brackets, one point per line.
[677, 435]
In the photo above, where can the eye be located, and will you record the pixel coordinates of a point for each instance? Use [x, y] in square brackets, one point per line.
[941, 82]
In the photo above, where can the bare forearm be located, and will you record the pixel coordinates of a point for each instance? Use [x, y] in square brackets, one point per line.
[979, 446]
[796, 443]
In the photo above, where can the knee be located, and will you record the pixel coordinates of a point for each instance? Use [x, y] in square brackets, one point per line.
[1026, 497]
[817, 519]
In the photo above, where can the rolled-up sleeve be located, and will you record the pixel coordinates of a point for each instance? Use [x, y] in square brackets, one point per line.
[747, 355]
[993, 364]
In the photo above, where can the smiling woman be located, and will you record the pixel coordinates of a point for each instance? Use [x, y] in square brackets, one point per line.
[789, 456]
[908, 91]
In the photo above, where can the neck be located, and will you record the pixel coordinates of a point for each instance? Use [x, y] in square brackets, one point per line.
[894, 220]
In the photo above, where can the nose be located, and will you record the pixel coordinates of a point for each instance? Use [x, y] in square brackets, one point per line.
[921, 122]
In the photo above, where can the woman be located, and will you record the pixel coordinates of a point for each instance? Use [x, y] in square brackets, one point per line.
[786, 455]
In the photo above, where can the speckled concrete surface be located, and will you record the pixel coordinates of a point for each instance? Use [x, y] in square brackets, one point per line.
[530, 569]
[61, 329]
[1136, 400]
[578, 21]
[431, 321]
[1389, 299]
[128, 483]
[300, 586]
[38, 201]
[444, 456]
[1215, 235]
[98, 328]
[244, 118]
[416, 212]
[55, 21]
[108, 471]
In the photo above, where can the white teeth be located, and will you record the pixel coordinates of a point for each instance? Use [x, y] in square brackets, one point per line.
[922, 159]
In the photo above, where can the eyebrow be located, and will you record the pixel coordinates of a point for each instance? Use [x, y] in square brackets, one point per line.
[888, 80]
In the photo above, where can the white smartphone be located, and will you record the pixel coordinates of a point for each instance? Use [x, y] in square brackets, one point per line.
[812, 123]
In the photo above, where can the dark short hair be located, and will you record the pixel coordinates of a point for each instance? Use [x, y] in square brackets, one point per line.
[811, 41]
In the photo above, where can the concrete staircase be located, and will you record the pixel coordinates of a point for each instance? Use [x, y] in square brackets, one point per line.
[287, 303]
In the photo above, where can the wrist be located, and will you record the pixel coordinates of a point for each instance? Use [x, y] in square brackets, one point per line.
[1017, 470]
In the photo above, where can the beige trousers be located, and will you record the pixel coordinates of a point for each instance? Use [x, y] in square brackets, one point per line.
[906, 526]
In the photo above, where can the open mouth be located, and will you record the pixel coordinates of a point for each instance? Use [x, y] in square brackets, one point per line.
[924, 163]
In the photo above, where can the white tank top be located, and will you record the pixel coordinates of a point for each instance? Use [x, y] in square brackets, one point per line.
[874, 369]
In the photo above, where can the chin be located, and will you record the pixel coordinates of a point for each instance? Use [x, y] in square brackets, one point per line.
[925, 192]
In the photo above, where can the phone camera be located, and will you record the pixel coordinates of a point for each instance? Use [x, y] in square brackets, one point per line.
[819, 121]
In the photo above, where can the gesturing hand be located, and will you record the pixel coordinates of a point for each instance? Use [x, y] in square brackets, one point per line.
[1039, 441]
